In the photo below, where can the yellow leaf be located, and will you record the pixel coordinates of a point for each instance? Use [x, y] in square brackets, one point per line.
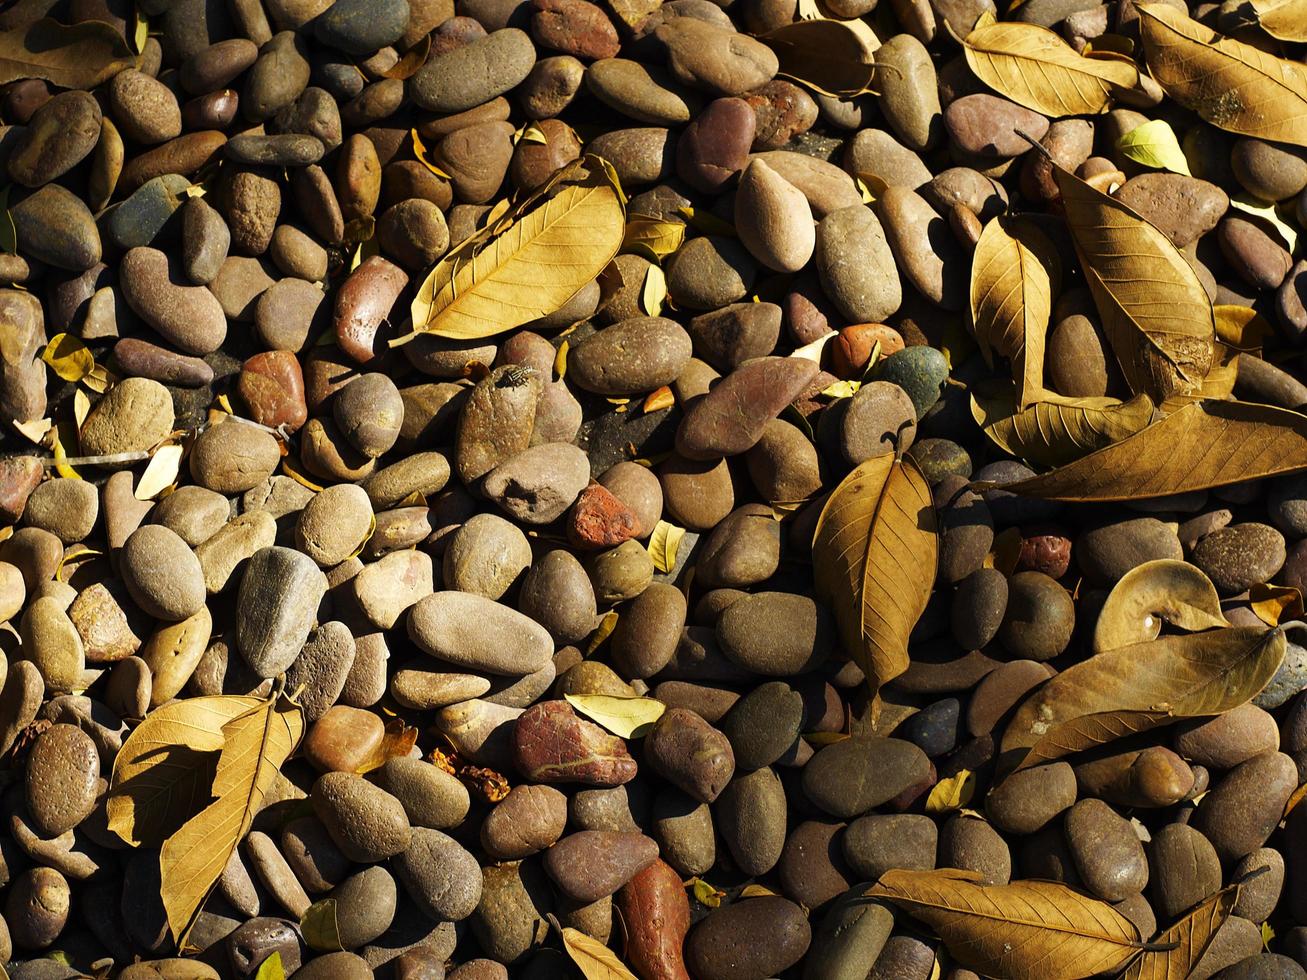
[1164, 590]
[140, 31]
[1285, 19]
[1273, 603]
[842, 389]
[1055, 430]
[833, 57]
[98, 379]
[271, 968]
[81, 408]
[59, 433]
[624, 716]
[664, 543]
[607, 623]
[595, 960]
[372, 529]
[363, 251]
[1269, 214]
[1034, 67]
[319, 927]
[530, 269]
[424, 155]
[530, 133]
[952, 793]
[560, 359]
[69, 357]
[160, 473]
[1154, 145]
[659, 399]
[1267, 935]
[705, 894]
[755, 891]
[73, 557]
[1234, 86]
[654, 238]
[813, 350]
[1241, 328]
[255, 745]
[162, 774]
[707, 222]
[874, 554]
[36, 430]
[654, 293]
[293, 472]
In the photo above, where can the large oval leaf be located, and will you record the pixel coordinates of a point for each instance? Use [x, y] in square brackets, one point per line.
[1141, 686]
[1202, 445]
[1025, 930]
[833, 57]
[1179, 948]
[70, 56]
[873, 557]
[1154, 310]
[1164, 590]
[1033, 66]
[162, 774]
[1014, 273]
[1057, 430]
[527, 267]
[1232, 85]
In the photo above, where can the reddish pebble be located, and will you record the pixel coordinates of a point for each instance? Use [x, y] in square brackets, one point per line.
[1045, 551]
[19, 476]
[656, 911]
[363, 306]
[851, 350]
[272, 387]
[552, 744]
[600, 520]
[574, 27]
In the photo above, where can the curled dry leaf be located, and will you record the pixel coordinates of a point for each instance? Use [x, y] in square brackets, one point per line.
[833, 57]
[628, 717]
[1014, 274]
[414, 58]
[1180, 947]
[77, 56]
[557, 242]
[874, 556]
[1157, 592]
[255, 746]
[1056, 430]
[952, 793]
[1234, 86]
[1285, 19]
[1025, 930]
[162, 774]
[1274, 604]
[1142, 686]
[1201, 445]
[1033, 66]
[595, 960]
[161, 472]
[1153, 308]
[68, 357]
[654, 238]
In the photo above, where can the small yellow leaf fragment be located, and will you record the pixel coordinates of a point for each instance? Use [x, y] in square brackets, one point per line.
[664, 543]
[1275, 603]
[654, 293]
[952, 793]
[755, 891]
[271, 968]
[657, 400]
[560, 359]
[36, 430]
[1154, 145]
[63, 431]
[68, 357]
[607, 623]
[319, 927]
[424, 155]
[705, 894]
[160, 473]
[595, 960]
[623, 716]
[842, 389]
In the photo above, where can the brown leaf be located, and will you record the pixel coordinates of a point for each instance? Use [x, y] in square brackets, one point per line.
[1014, 274]
[1034, 67]
[873, 556]
[1202, 445]
[1234, 86]
[78, 56]
[1182, 946]
[1025, 930]
[1142, 686]
[1275, 603]
[414, 58]
[1153, 308]
[1163, 590]
[1285, 19]
[833, 57]
[1055, 430]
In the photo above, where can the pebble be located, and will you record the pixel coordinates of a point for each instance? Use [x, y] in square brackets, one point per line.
[365, 822]
[271, 628]
[61, 774]
[1240, 556]
[1241, 810]
[758, 937]
[474, 632]
[856, 266]
[890, 767]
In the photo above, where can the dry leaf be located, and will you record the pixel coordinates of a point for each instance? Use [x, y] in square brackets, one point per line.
[657, 400]
[664, 544]
[1241, 328]
[1034, 67]
[595, 960]
[140, 31]
[1267, 215]
[79, 56]
[607, 623]
[1285, 19]
[162, 774]
[160, 473]
[706, 222]
[1057, 430]
[1274, 604]
[271, 968]
[319, 927]
[754, 890]
[1025, 930]
[68, 357]
[1142, 686]
[952, 793]
[842, 389]
[654, 238]
[833, 57]
[1153, 308]
[873, 556]
[63, 434]
[255, 745]
[1014, 273]
[1234, 86]
[398, 740]
[1202, 445]
[423, 155]
[1005, 551]
[1160, 591]
[1180, 947]
[654, 293]
[1154, 145]
[705, 894]
[414, 58]
[535, 265]
[626, 717]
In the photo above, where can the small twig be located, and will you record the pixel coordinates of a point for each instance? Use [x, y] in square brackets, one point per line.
[104, 460]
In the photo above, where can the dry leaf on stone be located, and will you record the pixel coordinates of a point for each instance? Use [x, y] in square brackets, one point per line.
[319, 927]
[79, 56]
[1025, 930]
[68, 357]
[1014, 274]
[414, 58]
[1268, 217]
[1057, 430]
[1202, 445]
[1142, 686]
[160, 473]
[626, 717]
[1180, 947]
[833, 57]
[1160, 591]
[162, 774]
[255, 746]
[1153, 307]
[874, 554]
[552, 247]
[1034, 67]
[654, 292]
[595, 960]
[952, 793]
[271, 968]
[664, 544]
[653, 238]
[1241, 328]
[1274, 604]
[1154, 145]
[1285, 19]
[1234, 86]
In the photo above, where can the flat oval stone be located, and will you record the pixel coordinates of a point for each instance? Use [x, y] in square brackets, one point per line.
[360, 27]
[465, 77]
[731, 418]
[552, 744]
[1241, 811]
[776, 634]
[1106, 850]
[1184, 869]
[1182, 208]
[757, 937]
[856, 266]
[363, 302]
[162, 573]
[189, 317]
[528, 820]
[631, 357]
[716, 59]
[536, 486]
[1240, 556]
[989, 126]
[888, 767]
[60, 134]
[644, 92]
[366, 822]
[441, 876]
[142, 359]
[474, 632]
[278, 603]
[688, 752]
[929, 255]
[593, 864]
[62, 770]
[56, 228]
